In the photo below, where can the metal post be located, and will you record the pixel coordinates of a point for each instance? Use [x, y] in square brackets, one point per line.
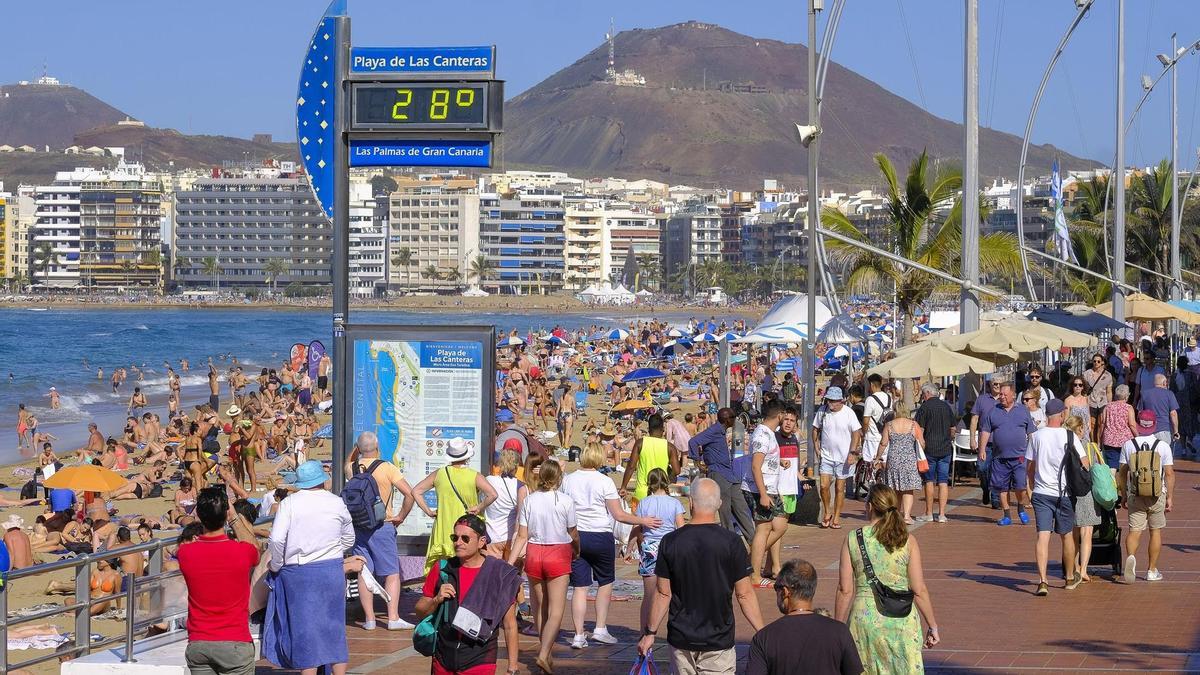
[341, 258]
[1118, 293]
[1176, 267]
[810, 375]
[723, 355]
[130, 613]
[83, 614]
[969, 311]
[4, 629]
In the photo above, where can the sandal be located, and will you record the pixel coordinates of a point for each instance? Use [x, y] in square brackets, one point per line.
[765, 583]
[835, 526]
[547, 668]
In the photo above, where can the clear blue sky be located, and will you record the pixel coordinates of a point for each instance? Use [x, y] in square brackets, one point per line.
[223, 66]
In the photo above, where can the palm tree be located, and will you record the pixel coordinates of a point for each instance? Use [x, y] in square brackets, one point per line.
[917, 236]
[128, 267]
[404, 258]
[1149, 240]
[18, 281]
[481, 269]
[154, 260]
[649, 271]
[452, 275]
[274, 268]
[431, 273]
[43, 258]
[213, 268]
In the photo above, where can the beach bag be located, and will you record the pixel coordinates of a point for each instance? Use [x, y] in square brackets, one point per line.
[425, 635]
[922, 460]
[156, 490]
[1078, 482]
[644, 665]
[1145, 471]
[29, 490]
[888, 414]
[1104, 486]
[361, 496]
[889, 601]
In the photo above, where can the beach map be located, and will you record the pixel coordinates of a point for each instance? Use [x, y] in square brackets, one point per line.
[416, 396]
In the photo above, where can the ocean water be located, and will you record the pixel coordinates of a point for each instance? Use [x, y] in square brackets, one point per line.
[47, 348]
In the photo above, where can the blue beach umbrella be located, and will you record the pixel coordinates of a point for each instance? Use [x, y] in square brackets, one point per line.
[555, 340]
[676, 333]
[706, 337]
[510, 342]
[616, 334]
[643, 374]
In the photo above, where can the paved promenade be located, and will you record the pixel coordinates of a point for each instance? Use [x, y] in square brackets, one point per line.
[981, 578]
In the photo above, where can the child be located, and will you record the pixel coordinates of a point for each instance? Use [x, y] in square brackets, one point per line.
[658, 504]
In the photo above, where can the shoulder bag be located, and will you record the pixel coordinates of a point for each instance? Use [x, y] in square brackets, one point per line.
[425, 635]
[889, 601]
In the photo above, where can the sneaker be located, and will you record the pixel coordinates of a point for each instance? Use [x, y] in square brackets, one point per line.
[603, 637]
[368, 625]
[400, 624]
[1024, 517]
[1042, 589]
[1074, 583]
[941, 518]
[580, 642]
[925, 519]
[1130, 569]
[1153, 575]
[1004, 522]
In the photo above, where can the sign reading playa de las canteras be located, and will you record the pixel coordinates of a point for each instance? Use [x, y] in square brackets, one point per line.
[417, 392]
[440, 60]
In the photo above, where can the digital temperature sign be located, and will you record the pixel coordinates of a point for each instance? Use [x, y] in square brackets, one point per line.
[425, 105]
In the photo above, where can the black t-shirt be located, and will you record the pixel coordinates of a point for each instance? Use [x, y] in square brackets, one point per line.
[936, 419]
[804, 644]
[702, 562]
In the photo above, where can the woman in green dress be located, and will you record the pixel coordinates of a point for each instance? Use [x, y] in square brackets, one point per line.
[885, 644]
[460, 490]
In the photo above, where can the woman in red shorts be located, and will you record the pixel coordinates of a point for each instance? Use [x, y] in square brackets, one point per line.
[547, 523]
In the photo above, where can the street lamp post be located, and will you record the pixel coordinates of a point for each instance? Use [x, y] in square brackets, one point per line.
[1176, 269]
[814, 144]
[1118, 175]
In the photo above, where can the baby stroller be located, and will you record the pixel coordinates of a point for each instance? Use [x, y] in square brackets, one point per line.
[865, 477]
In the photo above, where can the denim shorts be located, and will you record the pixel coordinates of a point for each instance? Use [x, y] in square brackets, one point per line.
[839, 470]
[1054, 514]
[1112, 456]
[939, 470]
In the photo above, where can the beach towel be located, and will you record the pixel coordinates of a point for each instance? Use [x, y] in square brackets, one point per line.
[305, 625]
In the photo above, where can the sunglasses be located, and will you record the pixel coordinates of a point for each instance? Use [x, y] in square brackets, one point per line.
[1098, 361]
[464, 538]
[1077, 385]
[1035, 376]
[1028, 399]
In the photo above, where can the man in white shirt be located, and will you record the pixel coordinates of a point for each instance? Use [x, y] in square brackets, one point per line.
[876, 405]
[1145, 511]
[761, 487]
[1053, 505]
[837, 442]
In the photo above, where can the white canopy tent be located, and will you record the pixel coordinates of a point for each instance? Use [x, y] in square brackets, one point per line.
[787, 321]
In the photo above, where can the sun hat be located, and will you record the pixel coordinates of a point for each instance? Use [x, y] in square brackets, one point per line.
[834, 394]
[14, 521]
[457, 450]
[1148, 419]
[233, 411]
[1191, 343]
[310, 474]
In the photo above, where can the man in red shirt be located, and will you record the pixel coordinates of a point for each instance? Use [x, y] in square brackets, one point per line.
[217, 571]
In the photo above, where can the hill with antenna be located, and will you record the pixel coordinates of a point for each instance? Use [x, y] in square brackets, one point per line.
[695, 102]
[46, 113]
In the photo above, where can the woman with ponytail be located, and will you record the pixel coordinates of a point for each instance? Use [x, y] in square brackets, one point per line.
[885, 644]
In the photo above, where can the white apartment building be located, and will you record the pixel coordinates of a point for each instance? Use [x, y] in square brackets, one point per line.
[18, 228]
[587, 254]
[54, 250]
[691, 238]
[368, 242]
[630, 229]
[436, 220]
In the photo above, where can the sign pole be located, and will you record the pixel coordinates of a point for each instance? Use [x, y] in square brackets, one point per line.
[342, 433]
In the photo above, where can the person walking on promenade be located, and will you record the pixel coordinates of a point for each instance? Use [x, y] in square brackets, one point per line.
[652, 452]
[1100, 393]
[701, 567]
[887, 645]
[501, 514]
[1146, 482]
[710, 449]
[1118, 425]
[458, 488]
[1053, 504]
[1161, 400]
[986, 401]
[838, 443]
[876, 409]
[378, 546]
[482, 589]
[761, 490]
[827, 648]
[660, 504]
[898, 456]
[305, 627]
[547, 532]
[935, 417]
[1086, 515]
[217, 571]
[1008, 427]
[597, 507]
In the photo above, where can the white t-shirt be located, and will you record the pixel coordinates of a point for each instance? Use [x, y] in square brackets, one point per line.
[762, 440]
[836, 431]
[1047, 447]
[501, 515]
[874, 409]
[1131, 447]
[591, 489]
[548, 515]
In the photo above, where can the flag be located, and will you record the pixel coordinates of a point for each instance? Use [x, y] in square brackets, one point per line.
[1062, 235]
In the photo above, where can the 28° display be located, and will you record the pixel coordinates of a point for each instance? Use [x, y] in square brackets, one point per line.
[421, 105]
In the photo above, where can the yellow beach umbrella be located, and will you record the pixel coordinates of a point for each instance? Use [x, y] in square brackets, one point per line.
[1000, 339]
[633, 404]
[86, 478]
[1141, 307]
[1070, 338]
[926, 359]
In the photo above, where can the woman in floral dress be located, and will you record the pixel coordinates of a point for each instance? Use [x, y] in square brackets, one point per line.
[897, 454]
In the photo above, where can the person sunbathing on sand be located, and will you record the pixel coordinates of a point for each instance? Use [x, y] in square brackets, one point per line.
[140, 486]
[106, 580]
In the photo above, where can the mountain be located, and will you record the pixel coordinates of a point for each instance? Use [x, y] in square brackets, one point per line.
[156, 148]
[720, 107]
[39, 115]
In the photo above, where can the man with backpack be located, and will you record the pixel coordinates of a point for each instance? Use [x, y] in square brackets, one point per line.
[1146, 483]
[878, 410]
[1052, 473]
[368, 497]
[790, 391]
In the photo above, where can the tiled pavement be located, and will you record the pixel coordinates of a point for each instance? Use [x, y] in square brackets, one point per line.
[981, 579]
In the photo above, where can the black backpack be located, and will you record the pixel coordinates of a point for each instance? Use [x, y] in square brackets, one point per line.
[361, 496]
[1078, 481]
[888, 413]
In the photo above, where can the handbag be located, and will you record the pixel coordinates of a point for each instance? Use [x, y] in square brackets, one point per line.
[425, 635]
[889, 601]
[922, 460]
[1104, 486]
[644, 665]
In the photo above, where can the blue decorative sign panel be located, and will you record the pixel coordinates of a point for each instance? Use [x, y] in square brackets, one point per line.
[316, 103]
[421, 153]
[425, 60]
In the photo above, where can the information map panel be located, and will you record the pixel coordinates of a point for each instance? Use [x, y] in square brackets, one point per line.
[417, 389]
[421, 105]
